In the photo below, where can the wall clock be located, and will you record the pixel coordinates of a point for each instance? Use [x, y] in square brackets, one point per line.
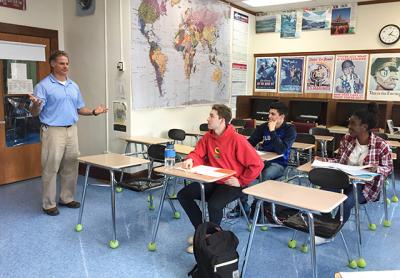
[389, 34]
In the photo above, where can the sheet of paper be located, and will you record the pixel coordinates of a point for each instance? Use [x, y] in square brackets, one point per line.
[357, 171]
[18, 71]
[207, 171]
[371, 274]
[17, 86]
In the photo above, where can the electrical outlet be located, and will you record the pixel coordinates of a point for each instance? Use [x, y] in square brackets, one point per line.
[120, 66]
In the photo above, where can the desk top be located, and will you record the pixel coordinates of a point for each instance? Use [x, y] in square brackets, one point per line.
[195, 132]
[112, 161]
[302, 146]
[306, 167]
[147, 140]
[393, 143]
[268, 156]
[187, 175]
[323, 138]
[183, 149]
[338, 129]
[299, 197]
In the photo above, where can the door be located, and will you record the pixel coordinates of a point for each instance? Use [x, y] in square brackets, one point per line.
[19, 131]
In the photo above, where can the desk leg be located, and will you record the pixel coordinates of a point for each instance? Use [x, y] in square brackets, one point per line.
[386, 221]
[324, 149]
[395, 199]
[114, 242]
[312, 243]
[360, 262]
[250, 240]
[152, 245]
[79, 226]
[203, 202]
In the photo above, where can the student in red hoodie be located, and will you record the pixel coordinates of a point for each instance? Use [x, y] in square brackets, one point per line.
[221, 147]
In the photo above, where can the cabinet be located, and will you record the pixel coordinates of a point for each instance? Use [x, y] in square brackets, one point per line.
[329, 112]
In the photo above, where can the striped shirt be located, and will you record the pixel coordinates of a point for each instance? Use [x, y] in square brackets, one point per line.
[379, 155]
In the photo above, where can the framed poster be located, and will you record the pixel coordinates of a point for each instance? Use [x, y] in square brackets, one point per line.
[350, 76]
[319, 74]
[266, 74]
[384, 77]
[291, 74]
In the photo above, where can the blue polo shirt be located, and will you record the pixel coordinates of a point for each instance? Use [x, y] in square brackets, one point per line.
[60, 103]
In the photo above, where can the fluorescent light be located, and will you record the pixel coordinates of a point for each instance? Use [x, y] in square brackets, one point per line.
[263, 3]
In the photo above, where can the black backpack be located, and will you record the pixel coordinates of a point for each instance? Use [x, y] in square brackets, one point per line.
[215, 252]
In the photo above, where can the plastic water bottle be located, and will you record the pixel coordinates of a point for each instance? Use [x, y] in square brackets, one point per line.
[169, 156]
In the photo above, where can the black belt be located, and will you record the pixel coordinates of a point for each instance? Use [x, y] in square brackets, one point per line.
[66, 126]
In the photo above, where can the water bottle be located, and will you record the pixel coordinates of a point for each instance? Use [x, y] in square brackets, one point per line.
[169, 156]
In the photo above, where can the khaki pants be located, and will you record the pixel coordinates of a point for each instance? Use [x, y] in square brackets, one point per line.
[59, 155]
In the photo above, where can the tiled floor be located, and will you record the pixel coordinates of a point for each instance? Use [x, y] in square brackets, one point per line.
[33, 244]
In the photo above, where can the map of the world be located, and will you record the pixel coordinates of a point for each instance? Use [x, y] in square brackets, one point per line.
[180, 52]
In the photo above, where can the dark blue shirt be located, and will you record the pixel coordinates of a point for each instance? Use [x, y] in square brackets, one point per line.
[279, 141]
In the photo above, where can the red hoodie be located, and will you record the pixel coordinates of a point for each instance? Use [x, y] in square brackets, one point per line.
[230, 150]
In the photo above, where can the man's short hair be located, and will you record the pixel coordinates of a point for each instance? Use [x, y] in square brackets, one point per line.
[56, 54]
[280, 107]
[223, 112]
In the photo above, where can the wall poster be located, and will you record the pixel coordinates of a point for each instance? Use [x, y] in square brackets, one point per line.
[384, 77]
[350, 76]
[266, 74]
[319, 74]
[291, 74]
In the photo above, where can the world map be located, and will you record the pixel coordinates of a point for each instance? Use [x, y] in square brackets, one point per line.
[180, 52]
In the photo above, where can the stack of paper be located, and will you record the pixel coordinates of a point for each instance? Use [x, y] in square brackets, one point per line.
[356, 171]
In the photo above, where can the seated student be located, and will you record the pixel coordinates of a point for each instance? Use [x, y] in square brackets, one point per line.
[362, 147]
[220, 147]
[276, 136]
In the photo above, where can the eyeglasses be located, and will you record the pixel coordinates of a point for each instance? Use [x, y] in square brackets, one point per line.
[386, 70]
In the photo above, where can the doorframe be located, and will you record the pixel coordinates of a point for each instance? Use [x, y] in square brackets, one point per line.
[31, 31]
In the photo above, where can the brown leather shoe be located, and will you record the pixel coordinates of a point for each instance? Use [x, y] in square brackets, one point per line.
[51, 211]
[72, 204]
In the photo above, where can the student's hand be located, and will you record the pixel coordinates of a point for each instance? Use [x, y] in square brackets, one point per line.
[187, 164]
[36, 102]
[232, 181]
[272, 125]
[372, 169]
[100, 109]
[318, 158]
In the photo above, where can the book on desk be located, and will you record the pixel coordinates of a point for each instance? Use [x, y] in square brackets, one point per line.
[356, 171]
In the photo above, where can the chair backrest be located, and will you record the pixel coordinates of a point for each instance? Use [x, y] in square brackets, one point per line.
[329, 179]
[305, 138]
[384, 136]
[303, 127]
[250, 123]
[203, 127]
[177, 134]
[155, 153]
[246, 131]
[320, 131]
[238, 122]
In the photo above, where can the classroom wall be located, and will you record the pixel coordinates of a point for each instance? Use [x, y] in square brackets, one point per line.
[85, 44]
[47, 14]
[369, 21]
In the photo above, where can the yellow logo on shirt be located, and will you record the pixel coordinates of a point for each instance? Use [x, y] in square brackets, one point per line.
[217, 152]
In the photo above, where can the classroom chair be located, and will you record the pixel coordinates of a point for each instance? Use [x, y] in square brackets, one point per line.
[203, 127]
[238, 122]
[246, 131]
[325, 225]
[152, 181]
[303, 127]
